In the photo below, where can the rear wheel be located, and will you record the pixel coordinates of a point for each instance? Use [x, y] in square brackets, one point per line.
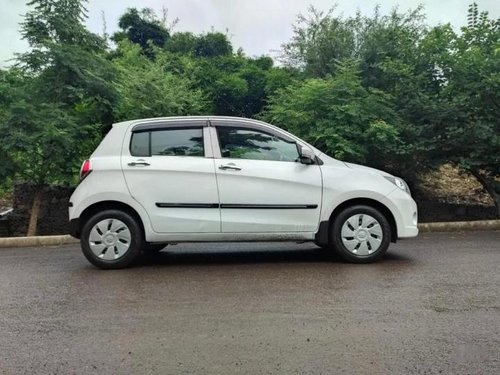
[361, 234]
[111, 239]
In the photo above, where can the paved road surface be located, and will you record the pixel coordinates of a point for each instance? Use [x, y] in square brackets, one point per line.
[431, 306]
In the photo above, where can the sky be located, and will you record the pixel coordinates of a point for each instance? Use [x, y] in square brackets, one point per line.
[258, 26]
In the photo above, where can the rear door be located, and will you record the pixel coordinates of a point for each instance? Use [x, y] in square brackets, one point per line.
[169, 170]
[262, 185]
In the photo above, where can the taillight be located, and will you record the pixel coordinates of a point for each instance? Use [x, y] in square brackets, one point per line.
[85, 169]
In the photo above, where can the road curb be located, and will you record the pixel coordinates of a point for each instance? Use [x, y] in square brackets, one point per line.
[37, 241]
[457, 226]
[453, 226]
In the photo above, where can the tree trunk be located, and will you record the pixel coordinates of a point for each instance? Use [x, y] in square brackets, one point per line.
[35, 211]
[488, 186]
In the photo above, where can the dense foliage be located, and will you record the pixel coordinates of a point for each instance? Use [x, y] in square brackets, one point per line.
[386, 90]
[341, 116]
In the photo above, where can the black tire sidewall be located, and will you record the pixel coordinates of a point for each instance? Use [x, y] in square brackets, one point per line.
[336, 237]
[136, 241]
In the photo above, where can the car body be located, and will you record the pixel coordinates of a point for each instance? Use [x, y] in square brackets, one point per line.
[210, 178]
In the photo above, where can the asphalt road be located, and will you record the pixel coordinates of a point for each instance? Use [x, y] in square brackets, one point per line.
[431, 306]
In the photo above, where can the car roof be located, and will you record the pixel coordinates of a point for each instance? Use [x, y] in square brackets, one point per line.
[188, 118]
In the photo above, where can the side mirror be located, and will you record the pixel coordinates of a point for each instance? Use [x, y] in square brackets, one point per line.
[306, 155]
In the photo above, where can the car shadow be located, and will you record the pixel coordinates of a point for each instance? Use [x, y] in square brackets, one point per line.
[248, 256]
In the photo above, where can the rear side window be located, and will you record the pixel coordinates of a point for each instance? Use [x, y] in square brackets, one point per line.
[177, 142]
[139, 146]
[168, 142]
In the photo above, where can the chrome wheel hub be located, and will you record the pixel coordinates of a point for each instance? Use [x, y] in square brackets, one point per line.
[110, 239]
[361, 234]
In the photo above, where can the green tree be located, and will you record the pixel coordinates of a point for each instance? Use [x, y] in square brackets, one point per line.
[469, 133]
[340, 117]
[443, 85]
[65, 97]
[66, 63]
[213, 44]
[235, 84]
[319, 41]
[182, 43]
[322, 39]
[10, 92]
[142, 27]
[150, 88]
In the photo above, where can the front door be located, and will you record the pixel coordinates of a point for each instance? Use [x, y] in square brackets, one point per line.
[262, 185]
[168, 173]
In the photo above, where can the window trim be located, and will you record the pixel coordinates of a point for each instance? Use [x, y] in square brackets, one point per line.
[253, 126]
[150, 130]
[165, 125]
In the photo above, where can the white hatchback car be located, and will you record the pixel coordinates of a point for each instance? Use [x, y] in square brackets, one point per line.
[157, 181]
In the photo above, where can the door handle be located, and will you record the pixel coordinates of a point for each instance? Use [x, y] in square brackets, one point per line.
[138, 162]
[229, 166]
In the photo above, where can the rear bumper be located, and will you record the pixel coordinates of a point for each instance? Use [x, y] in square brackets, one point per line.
[74, 228]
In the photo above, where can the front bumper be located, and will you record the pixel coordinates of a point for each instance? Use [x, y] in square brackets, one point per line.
[405, 212]
[74, 228]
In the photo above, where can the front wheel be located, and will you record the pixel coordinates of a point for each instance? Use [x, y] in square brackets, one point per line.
[361, 234]
[111, 239]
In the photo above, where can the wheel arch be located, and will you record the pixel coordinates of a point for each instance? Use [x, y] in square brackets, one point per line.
[107, 205]
[323, 234]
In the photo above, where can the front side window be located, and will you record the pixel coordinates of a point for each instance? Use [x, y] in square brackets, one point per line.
[168, 142]
[241, 143]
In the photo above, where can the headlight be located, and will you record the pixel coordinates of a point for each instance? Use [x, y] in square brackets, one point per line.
[399, 182]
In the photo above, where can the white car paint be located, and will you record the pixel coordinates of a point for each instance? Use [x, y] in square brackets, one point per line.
[269, 182]
[174, 179]
[185, 179]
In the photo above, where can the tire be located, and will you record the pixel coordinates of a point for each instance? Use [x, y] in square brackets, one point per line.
[153, 248]
[361, 234]
[112, 239]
